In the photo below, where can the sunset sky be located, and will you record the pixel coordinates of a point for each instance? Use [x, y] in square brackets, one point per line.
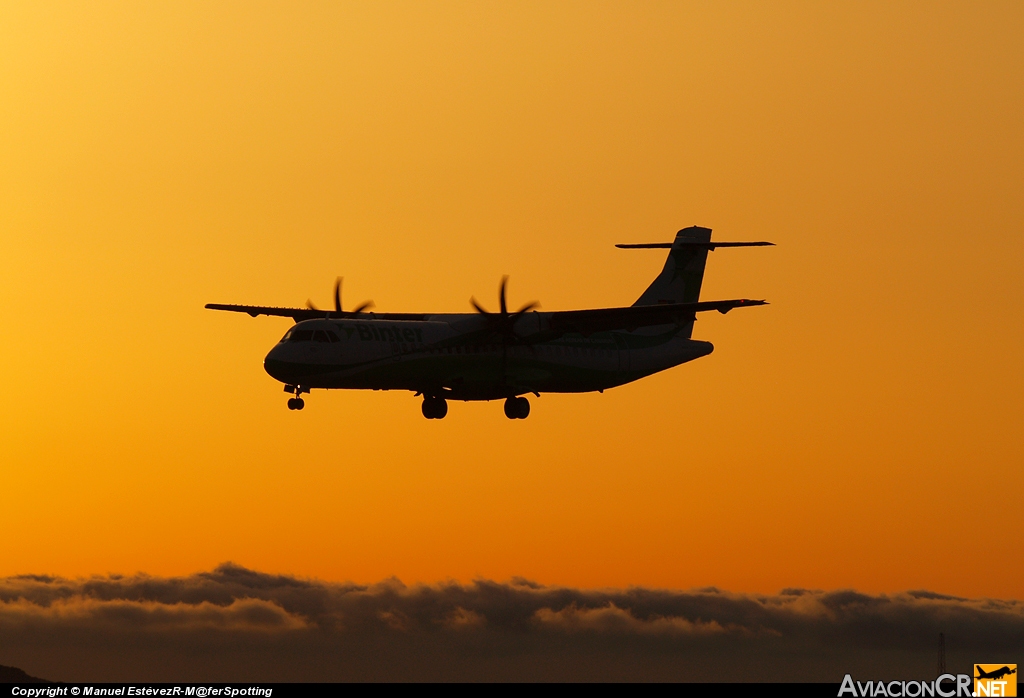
[864, 431]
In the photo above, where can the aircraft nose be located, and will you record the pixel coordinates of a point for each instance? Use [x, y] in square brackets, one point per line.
[277, 365]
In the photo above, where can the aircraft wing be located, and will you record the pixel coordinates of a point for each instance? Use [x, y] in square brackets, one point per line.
[300, 314]
[584, 322]
[296, 314]
[607, 319]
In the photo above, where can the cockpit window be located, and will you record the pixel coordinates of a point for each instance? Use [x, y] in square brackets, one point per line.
[294, 335]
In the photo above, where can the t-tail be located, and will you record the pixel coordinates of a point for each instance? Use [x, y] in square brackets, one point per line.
[683, 273]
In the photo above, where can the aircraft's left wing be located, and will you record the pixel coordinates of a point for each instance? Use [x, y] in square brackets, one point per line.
[300, 314]
[607, 319]
[296, 314]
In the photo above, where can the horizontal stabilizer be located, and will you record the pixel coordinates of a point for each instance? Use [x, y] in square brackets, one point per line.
[680, 244]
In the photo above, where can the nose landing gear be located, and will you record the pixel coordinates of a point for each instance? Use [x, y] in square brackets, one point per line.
[434, 407]
[296, 403]
[517, 408]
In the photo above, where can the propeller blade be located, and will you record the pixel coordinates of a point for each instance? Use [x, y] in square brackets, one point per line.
[364, 306]
[337, 294]
[309, 304]
[479, 309]
[503, 322]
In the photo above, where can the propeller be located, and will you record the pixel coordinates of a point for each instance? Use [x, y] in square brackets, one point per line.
[503, 320]
[503, 323]
[337, 301]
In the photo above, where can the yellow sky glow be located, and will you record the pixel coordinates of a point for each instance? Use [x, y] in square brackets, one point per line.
[862, 431]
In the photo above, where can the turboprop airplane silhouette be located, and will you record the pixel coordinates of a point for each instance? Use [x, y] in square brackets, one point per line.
[500, 355]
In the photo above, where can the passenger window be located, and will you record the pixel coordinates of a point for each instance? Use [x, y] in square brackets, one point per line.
[301, 336]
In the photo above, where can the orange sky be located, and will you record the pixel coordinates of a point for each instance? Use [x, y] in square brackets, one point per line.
[862, 431]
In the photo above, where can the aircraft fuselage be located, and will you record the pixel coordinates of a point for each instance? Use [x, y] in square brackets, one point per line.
[428, 354]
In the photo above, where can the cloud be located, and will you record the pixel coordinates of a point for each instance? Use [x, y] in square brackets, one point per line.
[235, 624]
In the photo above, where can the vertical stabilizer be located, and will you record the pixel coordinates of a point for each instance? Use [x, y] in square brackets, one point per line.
[680, 279]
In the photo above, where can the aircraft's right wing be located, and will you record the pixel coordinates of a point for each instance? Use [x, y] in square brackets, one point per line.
[587, 322]
[606, 319]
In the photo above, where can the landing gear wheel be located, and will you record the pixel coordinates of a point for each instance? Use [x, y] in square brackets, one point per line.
[296, 403]
[434, 408]
[517, 408]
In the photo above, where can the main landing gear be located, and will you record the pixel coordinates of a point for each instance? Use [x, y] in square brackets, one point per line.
[517, 408]
[434, 407]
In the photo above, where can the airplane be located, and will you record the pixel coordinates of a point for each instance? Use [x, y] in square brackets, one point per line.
[500, 355]
[995, 674]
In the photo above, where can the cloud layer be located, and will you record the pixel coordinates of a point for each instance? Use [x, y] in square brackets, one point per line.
[236, 624]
